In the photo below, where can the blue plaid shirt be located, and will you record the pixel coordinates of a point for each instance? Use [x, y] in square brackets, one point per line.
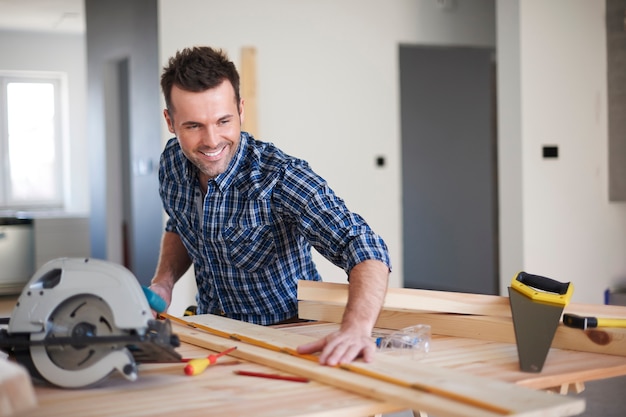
[250, 237]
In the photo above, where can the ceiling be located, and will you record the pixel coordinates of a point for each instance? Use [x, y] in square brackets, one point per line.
[59, 16]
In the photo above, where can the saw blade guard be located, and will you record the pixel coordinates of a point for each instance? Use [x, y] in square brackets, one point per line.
[65, 278]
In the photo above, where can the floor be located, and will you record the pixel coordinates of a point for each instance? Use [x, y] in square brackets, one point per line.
[605, 398]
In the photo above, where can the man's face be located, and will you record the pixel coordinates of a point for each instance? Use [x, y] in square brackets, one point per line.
[208, 126]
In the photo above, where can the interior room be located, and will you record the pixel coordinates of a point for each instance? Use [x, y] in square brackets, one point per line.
[479, 138]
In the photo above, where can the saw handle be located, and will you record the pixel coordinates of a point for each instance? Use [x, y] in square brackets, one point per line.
[550, 291]
[543, 283]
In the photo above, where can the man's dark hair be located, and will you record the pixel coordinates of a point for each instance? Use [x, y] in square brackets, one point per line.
[198, 69]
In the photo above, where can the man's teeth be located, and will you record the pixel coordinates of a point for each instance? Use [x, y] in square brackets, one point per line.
[213, 153]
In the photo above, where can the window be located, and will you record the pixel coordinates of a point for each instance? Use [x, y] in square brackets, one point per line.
[30, 141]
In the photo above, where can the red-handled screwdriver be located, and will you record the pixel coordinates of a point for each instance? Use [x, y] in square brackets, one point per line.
[198, 365]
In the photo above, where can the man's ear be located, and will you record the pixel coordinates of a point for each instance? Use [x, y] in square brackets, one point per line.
[241, 112]
[169, 120]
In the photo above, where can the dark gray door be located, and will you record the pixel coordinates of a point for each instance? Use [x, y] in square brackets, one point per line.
[449, 169]
[122, 36]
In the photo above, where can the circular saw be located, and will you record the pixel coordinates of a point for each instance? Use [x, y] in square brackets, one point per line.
[79, 320]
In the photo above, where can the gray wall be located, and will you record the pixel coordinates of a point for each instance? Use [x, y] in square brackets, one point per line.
[449, 185]
[122, 48]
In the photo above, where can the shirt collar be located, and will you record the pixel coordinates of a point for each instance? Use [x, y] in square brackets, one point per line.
[226, 178]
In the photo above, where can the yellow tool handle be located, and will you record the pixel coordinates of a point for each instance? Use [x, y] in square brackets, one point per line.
[611, 322]
[543, 289]
[196, 366]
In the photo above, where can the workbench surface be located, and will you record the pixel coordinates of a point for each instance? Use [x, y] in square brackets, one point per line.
[163, 389]
[499, 361]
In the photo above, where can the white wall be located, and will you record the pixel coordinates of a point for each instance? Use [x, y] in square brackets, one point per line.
[327, 78]
[555, 216]
[557, 95]
[34, 51]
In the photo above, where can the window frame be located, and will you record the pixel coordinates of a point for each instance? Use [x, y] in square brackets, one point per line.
[58, 80]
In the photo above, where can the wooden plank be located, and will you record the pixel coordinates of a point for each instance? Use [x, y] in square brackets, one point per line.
[248, 90]
[16, 389]
[361, 378]
[443, 301]
[497, 329]
[413, 299]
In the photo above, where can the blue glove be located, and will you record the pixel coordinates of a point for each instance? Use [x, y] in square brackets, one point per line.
[157, 303]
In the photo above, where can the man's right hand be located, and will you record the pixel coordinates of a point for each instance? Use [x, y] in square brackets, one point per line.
[163, 291]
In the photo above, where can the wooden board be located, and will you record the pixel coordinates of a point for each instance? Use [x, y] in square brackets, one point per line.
[248, 90]
[417, 300]
[16, 390]
[485, 317]
[443, 301]
[497, 329]
[448, 393]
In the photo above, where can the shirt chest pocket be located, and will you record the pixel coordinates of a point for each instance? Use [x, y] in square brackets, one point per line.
[250, 242]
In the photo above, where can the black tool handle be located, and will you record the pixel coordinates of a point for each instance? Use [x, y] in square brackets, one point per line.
[578, 322]
[543, 283]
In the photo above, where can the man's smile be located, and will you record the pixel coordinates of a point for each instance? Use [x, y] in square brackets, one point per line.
[215, 153]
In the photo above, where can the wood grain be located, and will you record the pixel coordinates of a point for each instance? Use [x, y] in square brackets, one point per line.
[501, 396]
[444, 301]
[496, 360]
[163, 390]
[249, 90]
[497, 329]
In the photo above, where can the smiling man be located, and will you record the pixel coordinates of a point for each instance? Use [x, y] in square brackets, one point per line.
[246, 215]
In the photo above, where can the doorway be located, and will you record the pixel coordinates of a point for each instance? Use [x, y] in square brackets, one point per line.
[449, 168]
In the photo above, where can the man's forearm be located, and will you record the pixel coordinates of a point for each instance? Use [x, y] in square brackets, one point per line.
[366, 294]
[174, 260]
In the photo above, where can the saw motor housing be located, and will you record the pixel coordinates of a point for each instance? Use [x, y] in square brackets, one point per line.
[77, 320]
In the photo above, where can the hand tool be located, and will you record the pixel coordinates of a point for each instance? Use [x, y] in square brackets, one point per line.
[273, 376]
[78, 320]
[536, 306]
[190, 311]
[198, 365]
[579, 322]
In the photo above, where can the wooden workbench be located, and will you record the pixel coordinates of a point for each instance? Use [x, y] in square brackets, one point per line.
[163, 389]
[563, 369]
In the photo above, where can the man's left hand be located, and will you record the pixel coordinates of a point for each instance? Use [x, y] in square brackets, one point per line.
[341, 346]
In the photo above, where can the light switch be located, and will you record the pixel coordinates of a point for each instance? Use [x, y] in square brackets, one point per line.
[550, 152]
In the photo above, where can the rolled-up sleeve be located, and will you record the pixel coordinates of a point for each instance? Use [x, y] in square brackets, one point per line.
[341, 236]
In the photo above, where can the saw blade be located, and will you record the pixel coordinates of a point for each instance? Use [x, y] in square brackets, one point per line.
[79, 317]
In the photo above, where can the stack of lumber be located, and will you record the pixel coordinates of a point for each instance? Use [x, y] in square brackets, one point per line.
[476, 316]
